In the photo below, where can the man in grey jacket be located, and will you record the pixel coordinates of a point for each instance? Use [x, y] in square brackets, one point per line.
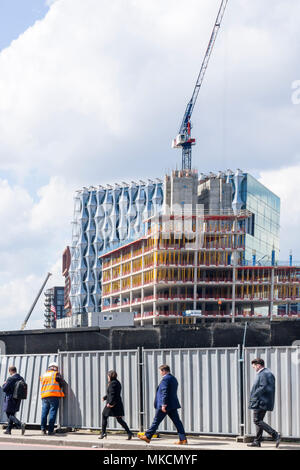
[262, 400]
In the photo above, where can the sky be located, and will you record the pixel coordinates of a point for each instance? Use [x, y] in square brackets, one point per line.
[94, 91]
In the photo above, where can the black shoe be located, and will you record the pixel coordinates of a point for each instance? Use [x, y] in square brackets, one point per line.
[278, 439]
[51, 433]
[130, 436]
[8, 431]
[43, 432]
[254, 444]
[102, 435]
[23, 427]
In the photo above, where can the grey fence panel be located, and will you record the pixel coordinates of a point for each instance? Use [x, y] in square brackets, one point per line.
[209, 388]
[86, 377]
[31, 367]
[284, 362]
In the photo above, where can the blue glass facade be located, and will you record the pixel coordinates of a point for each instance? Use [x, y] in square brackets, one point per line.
[105, 218]
[263, 229]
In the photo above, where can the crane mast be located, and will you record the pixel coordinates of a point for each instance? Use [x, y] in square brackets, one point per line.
[23, 326]
[184, 139]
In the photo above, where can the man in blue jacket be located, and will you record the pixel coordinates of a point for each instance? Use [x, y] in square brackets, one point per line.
[166, 404]
[11, 404]
[262, 400]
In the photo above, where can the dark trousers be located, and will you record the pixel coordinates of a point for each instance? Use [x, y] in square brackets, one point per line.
[160, 416]
[49, 406]
[12, 420]
[261, 426]
[120, 421]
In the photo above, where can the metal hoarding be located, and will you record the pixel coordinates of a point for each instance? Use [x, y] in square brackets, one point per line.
[284, 362]
[86, 377]
[209, 385]
[31, 367]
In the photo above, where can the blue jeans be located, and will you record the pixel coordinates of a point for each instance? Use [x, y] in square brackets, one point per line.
[158, 418]
[49, 404]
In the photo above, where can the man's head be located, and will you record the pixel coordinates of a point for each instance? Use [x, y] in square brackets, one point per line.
[53, 366]
[12, 370]
[164, 369]
[258, 364]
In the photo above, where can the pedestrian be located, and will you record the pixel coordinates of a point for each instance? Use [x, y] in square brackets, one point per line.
[11, 404]
[166, 404]
[114, 405]
[52, 385]
[262, 400]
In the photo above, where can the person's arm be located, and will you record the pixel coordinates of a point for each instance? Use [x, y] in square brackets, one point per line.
[263, 383]
[113, 394]
[164, 390]
[60, 380]
[7, 386]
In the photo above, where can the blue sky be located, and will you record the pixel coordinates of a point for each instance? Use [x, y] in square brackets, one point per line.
[94, 93]
[18, 15]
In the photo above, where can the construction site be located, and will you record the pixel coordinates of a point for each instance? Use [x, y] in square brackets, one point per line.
[175, 275]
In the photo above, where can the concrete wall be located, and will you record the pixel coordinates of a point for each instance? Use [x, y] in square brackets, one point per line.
[215, 194]
[206, 335]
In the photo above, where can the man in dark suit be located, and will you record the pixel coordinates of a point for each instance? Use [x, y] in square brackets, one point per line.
[166, 404]
[11, 404]
[262, 400]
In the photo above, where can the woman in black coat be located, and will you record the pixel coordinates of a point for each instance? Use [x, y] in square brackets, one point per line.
[114, 405]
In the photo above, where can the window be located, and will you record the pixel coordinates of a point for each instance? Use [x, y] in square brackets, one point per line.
[105, 318]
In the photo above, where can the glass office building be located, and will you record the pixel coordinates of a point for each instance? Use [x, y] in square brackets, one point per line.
[105, 218]
[263, 228]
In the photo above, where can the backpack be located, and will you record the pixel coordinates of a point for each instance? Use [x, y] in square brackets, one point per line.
[20, 390]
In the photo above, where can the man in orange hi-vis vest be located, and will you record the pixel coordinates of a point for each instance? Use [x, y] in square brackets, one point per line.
[52, 385]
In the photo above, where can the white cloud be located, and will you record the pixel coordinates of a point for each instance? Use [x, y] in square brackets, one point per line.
[285, 183]
[98, 87]
[32, 239]
[17, 297]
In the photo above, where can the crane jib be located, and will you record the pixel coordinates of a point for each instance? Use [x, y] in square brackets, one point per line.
[183, 139]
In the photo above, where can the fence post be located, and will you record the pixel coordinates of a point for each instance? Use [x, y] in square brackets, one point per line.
[241, 370]
[141, 388]
[60, 408]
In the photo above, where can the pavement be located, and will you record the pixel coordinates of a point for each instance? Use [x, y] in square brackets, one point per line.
[118, 441]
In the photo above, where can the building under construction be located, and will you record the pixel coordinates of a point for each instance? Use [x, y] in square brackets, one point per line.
[192, 266]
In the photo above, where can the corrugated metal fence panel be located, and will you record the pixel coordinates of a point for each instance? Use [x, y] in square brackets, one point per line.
[284, 362]
[208, 389]
[86, 377]
[31, 367]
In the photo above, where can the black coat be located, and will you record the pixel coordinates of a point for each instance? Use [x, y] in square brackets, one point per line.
[10, 404]
[262, 394]
[113, 397]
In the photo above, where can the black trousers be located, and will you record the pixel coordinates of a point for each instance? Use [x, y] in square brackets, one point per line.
[118, 418]
[261, 426]
[12, 420]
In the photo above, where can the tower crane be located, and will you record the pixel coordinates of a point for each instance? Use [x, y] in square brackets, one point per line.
[184, 139]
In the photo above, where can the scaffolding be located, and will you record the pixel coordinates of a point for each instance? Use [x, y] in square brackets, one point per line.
[163, 277]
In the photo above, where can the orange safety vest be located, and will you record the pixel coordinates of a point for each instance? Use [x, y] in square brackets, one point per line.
[50, 388]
